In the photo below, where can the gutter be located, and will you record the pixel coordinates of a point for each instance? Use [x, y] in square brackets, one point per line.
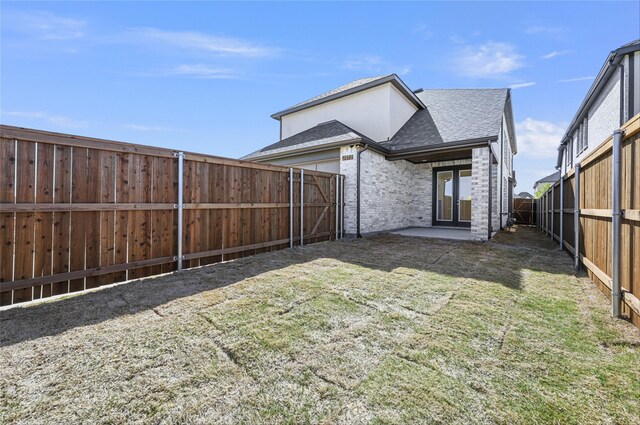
[358, 234]
[469, 143]
[607, 70]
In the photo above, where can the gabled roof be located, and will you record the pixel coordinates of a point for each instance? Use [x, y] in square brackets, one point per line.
[462, 114]
[326, 133]
[447, 117]
[525, 195]
[350, 88]
[419, 130]
[551, 178]
[452, 115]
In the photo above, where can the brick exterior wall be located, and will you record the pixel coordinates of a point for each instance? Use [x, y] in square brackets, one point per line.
[480, 193]
[394, 194]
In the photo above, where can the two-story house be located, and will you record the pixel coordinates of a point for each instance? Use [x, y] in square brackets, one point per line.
[613, 99]
[412, 158]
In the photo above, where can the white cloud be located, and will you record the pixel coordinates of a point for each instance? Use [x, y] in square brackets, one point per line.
[203, 71]
[555, 54]
[56, 120]
[44, 25]
[539, 139]
[488, 60]
[571, 80]
[523, 85]
[198, 42]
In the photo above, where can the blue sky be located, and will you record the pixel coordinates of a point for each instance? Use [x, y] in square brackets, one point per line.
[205, 77]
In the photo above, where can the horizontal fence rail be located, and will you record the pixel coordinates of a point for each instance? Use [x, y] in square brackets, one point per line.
[578, 212]
[78, 213]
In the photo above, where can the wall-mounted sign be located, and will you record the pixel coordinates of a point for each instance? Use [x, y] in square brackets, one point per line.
[347, 157]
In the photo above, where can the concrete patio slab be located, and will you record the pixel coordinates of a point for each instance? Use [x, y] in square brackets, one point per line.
[436, 232]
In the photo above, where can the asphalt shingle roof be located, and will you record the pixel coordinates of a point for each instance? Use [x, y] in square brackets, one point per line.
[451, 115]
[551, 178]
[323, 133]
[462, 114]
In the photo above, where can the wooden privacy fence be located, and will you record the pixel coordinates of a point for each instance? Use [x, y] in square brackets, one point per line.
[581, 209]
[77, 213]
[524, 211]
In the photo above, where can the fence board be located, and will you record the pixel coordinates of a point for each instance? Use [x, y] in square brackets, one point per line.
[93, 212]
[595, 239]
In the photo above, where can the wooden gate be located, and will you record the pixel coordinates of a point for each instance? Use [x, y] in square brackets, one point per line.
[524, 210]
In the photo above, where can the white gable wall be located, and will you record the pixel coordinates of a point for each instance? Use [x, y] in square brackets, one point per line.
[378, 113]
[401, 110]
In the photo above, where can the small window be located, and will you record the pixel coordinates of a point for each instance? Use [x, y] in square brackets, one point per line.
[568, 152]
[585, 141]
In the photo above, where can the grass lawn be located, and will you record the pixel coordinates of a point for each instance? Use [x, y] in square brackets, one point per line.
[387, 329]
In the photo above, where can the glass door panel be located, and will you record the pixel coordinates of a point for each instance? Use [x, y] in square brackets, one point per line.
[464, 195]
[444, 200]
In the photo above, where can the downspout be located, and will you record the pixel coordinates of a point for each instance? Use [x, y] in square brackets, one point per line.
[501, 170]
[620, 66]
[616, 287]
[358, 234]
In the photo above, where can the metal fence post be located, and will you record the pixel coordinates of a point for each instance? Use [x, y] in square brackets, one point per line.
[546, 213]
[337, 203]
[616, 294]
[561, 212]
[301, 207]
[180, 205]
[576, 217]
[553, 206]
[290, 207]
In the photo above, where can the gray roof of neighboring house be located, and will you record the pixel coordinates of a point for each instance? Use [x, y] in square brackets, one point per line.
[350, 88]
[524, 195]
[324, 133]
[551, 178]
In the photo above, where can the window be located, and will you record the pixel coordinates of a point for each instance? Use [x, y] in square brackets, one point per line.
[568, 153]
[585, 136]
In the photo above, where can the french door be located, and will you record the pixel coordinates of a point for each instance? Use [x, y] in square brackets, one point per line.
[452, 196]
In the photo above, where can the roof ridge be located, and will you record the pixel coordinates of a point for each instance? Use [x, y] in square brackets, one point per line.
[471, 88]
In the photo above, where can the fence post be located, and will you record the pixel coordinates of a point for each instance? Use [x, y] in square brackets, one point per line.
[337, 207]
[546, 213]
[538, 213]
[576, 217]
[553, 206]
[180, 205]
[561, 235]
[615, 224]
[301, 207]
[290, 207]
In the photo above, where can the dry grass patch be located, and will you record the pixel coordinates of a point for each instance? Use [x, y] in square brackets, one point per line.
[388, 329]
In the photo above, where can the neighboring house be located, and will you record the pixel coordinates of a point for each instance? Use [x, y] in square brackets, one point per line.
[524, 195]
[613, 99]
[551, 178]
[427, 157]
